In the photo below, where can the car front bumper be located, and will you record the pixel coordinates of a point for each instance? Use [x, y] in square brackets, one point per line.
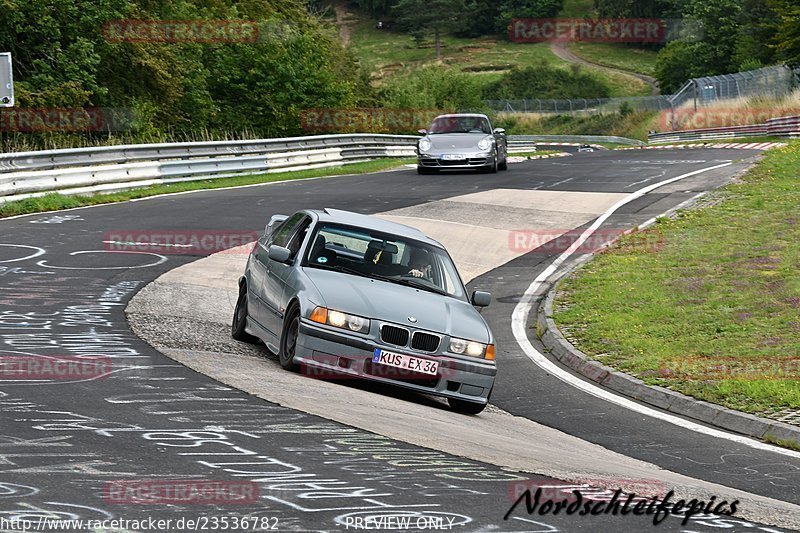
[471, 160]
[330, 354]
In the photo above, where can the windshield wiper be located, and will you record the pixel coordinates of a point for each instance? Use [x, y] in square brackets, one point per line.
[413, 282]
[339, 268]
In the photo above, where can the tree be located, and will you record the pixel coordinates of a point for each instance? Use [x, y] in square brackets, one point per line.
[420, 16]
[787, 31]
[523, 9]
[676, 63]
[756, 31]
[482, 20]
[720, 20]
[375, 7]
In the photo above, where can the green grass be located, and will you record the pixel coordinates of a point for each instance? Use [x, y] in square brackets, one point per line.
[782, 442]
[384, 52]
[56, 201]
[388, 53]
[632, 125]
[714, 313]
[618, 56]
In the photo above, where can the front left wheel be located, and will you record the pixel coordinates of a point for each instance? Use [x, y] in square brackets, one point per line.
[492, 168]
[465, 407]
[504, 164]
[291, 331]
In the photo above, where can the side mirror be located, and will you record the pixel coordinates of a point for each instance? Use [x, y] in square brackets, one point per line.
[422, 132]
[279, 253]
[499, 130]
[273, 222]
[481, 298]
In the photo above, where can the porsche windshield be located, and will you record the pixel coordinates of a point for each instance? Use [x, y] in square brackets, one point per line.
[468, 124]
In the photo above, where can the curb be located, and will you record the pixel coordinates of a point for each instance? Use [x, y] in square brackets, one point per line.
[662, 398]
[520, 159]
[738, 146]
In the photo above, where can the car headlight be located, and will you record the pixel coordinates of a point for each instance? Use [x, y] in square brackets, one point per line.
[337, 319]
[471, 348]
[424, 145]
[485, 143]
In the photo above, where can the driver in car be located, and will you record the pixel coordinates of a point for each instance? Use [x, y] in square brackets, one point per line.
[420, 264]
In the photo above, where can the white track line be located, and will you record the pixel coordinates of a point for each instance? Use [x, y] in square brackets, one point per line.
[519, 321]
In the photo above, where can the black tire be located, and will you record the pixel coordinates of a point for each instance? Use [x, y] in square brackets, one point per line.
[465, 407]
[240, 318]
[491, 169]
[291, 330]
[504, 164]
[425, 170]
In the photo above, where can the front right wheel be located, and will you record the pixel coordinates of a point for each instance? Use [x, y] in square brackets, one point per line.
[240, 318]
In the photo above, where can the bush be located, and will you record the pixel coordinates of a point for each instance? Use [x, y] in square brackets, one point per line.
[434, 88]
[546, 82]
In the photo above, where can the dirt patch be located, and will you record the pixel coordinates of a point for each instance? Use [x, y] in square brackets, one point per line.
[487, 68]
[344, 20]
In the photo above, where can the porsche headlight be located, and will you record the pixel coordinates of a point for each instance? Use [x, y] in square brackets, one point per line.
[485, 144]
[471, 348]
[338, 319]
[424, 145]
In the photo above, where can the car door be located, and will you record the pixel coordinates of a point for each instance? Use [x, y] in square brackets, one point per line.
[255, 283]
[260, 271]
[277, 273]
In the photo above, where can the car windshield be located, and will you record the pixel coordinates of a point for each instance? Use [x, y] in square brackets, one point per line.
[391, 258]
[460, 125]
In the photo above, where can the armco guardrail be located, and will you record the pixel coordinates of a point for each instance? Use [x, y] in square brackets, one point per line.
[776, 127]
[49, 159]
[583, 139]
[108, 168]
[25, 174]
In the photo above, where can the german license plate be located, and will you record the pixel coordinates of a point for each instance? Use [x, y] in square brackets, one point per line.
[452, 157]
[406, 362]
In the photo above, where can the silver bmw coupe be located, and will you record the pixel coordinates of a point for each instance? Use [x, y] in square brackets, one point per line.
[336, 293]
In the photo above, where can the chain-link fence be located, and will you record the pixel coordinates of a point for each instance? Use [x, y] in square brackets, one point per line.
[581, 105]
[772, 81]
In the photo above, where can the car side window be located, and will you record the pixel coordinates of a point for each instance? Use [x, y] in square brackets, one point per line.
[298, 237]
[283, 233]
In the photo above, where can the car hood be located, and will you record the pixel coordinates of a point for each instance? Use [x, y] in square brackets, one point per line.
[390, 302]
[455, 141]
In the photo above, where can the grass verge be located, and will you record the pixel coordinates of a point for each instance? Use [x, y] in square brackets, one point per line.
[713, 312]
[634, 125]
[56, 201]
